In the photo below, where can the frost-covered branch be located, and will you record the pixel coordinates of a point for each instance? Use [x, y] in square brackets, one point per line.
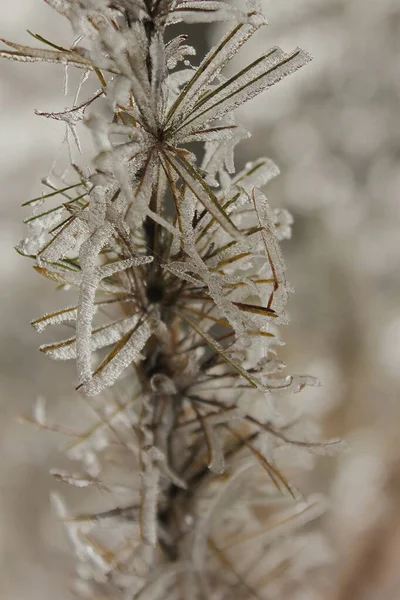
[180, 287]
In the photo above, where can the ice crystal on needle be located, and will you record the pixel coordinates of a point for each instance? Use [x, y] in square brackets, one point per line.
[181, 283]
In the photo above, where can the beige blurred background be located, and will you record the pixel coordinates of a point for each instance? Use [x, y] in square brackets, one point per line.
[334, 130]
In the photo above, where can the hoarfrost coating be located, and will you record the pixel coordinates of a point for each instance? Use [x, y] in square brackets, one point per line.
[179, 270]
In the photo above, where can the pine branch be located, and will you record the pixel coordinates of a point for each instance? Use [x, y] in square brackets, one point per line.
[181, 285]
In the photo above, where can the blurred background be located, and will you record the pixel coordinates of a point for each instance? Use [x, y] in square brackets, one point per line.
[334, 130]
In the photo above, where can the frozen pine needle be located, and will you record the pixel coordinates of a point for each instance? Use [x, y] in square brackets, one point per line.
[180, 286]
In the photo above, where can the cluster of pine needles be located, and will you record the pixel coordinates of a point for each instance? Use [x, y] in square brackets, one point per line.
[180, 287]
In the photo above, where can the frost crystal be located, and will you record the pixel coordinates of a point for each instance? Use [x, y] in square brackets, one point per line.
[181, 283]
